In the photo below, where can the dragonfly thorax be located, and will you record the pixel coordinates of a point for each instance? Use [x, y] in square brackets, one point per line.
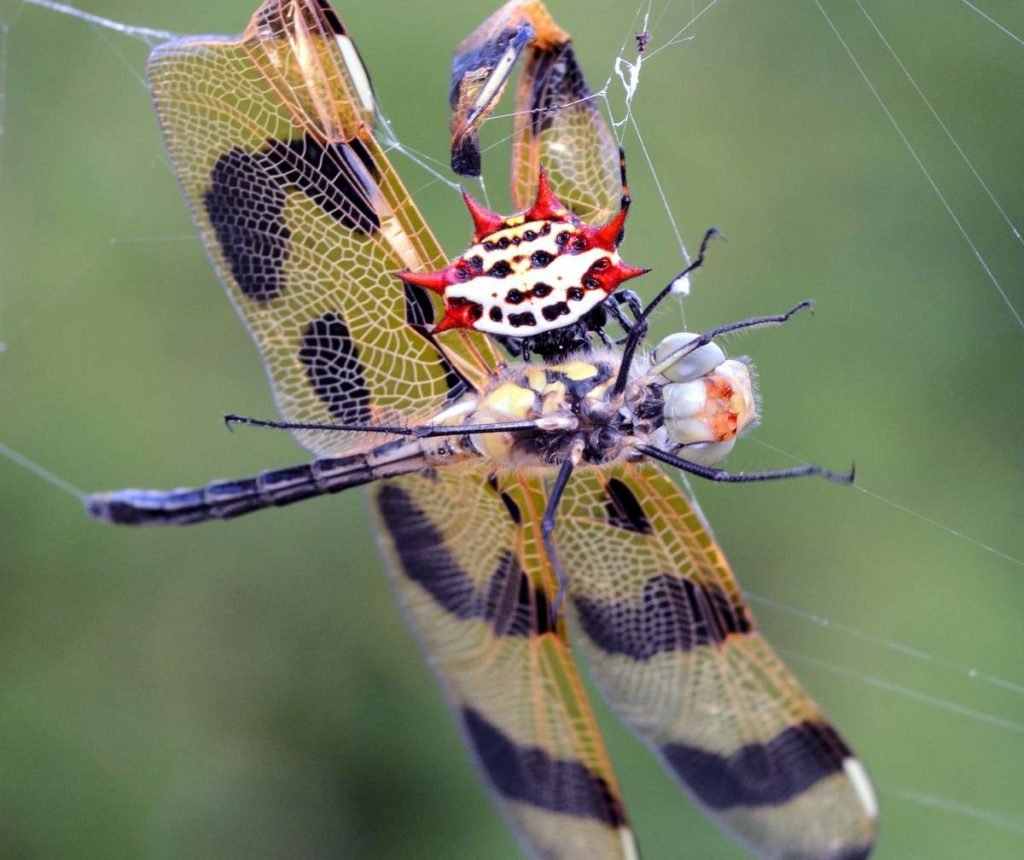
[574, 398]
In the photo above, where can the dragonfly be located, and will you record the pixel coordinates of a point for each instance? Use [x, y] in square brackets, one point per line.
[515, 480]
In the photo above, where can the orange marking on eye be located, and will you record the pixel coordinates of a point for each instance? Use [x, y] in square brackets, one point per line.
[720, 413]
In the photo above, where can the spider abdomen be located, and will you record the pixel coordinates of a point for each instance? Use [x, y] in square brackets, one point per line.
[528, 274]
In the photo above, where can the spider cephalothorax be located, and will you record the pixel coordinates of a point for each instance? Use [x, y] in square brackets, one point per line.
[531, 273]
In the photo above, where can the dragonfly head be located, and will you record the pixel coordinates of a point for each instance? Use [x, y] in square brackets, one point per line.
[708, 399]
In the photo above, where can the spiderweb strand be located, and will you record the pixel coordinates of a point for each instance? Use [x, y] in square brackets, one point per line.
[679, 35]
[889, 644]
[924, 170]
[148, 35]
[151, 240]
[628, 74]
[988, 816]
[1011, 726]
[993, 22]
[903, 509]
[945, 129]
[41, 472]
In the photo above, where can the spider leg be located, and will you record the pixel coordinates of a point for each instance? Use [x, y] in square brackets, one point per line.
[605, 339]
[615, 302]
[711, 334]
[613, 310]
[698, 261]
[516, 346]
[632, 301]
[639, 331]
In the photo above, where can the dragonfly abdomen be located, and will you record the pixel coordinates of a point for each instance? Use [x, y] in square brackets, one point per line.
[225, 499]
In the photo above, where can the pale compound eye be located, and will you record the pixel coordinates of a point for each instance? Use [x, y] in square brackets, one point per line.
[705, 415]
[688, 367]
[707, 453]
[686, 412]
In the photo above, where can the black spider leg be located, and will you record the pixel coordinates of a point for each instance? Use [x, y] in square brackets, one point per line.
[603, 335]
[754, 322]
[624, 199]
[613, 305]
[516, 347]
[547, 526]
[723, 476]
[639, 331]
[421, 431]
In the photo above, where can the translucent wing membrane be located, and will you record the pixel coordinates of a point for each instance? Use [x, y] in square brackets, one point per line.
[307, 224]
[470, 568]
[557, 123]
[306, 221]
[674, 648]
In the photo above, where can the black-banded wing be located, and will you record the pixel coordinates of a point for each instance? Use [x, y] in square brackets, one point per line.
[306, 221]
[471, 571]
[675, 649]
[557, 123]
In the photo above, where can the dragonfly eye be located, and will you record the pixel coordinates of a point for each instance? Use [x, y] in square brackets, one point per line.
[707, 414]
[688, 366]
[708, 453]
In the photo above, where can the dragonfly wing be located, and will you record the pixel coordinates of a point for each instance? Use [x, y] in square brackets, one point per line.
[557, 123]
[470, 570]
[675, 649]
[306, 221]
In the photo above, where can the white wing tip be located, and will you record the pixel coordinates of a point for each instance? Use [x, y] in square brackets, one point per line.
[861, 783]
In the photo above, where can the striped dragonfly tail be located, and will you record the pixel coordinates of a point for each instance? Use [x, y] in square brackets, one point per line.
[225, 499]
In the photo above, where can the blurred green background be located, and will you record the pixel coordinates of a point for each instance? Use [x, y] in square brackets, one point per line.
[248, 689]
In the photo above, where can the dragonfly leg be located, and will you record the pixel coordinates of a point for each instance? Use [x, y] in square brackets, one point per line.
[721, 475]
[547, 525]
[417, 431]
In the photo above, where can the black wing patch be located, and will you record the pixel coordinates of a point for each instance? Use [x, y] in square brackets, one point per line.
[330, 177]
[761, 774]
[245, 206]
[624, 510]
[510, 603]
[531, 775]
[675, 614]
[331, 360]
[419, 314]
[246, 199]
